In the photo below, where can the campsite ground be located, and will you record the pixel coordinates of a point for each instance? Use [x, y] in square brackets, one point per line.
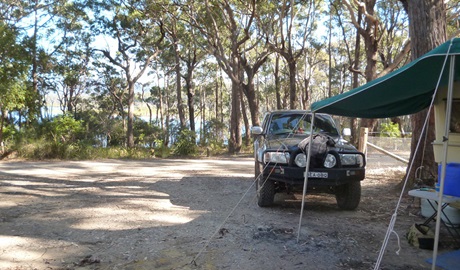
[192, 214]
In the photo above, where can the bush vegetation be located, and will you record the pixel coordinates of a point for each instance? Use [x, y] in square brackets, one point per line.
[64, 137]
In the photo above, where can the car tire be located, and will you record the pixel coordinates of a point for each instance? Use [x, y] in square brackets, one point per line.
[265, 188]
[348, 195]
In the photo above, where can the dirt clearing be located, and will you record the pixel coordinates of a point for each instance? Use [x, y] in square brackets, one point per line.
[177, 214]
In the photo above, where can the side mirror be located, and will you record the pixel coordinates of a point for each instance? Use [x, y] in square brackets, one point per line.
[346, 132]
[256, 130]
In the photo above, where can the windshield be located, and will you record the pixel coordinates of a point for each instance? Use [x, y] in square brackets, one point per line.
[297, 123]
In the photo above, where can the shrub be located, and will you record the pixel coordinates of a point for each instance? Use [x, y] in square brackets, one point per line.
[186, 144]
[390, 130]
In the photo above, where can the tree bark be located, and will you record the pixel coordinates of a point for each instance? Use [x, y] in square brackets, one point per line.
[354, 123]
[248, 89]
[235, 141]
[277, 82]
[371, 40]
[247, 133]
[130, 131]
[427, 29]
[191, 108]
[180, 105]
[203, 117]
[293, 101]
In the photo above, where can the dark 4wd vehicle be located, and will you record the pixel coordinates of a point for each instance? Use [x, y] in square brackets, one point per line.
[280, 151]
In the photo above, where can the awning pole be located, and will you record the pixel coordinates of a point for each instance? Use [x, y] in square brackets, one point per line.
[445, 141]
[307, 169]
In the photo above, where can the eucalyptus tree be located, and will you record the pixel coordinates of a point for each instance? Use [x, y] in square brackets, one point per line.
[13, 70]
[354, 54]
[70, 62]
[453, 18]
[427, 30]
[213, 106]
[70, 76]
[381, 25]
[137, 29]
[229, 28]
[30, 19]
[187, 45]
[191, 58]
[287, 30]
[383, 32]
[173, 30]
[107, 101]
[252, 60]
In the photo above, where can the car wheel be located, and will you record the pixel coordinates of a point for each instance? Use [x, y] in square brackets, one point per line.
[265, 189]
[348, 195]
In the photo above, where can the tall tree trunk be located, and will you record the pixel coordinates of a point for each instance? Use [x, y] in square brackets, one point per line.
[203, 117]
[161, 112]
[248, 89]
[427, 29]
[167, 126]
[190, 95]
[306, 95]
[235, 141]
[217, 108]
[70, 100]
[354, 124]
[180, 106]
[292, 85]
[329, 45]
[253, 105]
[247, 133]
[277, 82]
[148, 107]
[2, 122]
[221, 107]
[32, 102]
[130, 131]
[216, 93]
[370, 72]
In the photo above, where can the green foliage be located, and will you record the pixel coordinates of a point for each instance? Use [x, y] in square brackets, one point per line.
[9, 133]
[145, 133]
[161, 150]
[64, 137]
[185, 145]
[65, 129]
[13, 68]
[215, 147]
[390, 130]
[44, 149]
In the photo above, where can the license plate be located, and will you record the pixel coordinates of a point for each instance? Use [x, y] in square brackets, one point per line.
[317, 174]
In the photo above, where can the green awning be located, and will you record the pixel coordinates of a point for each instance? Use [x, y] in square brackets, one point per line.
[404, 91]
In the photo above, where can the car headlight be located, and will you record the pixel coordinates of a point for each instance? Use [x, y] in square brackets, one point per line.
[351, 159]
[276, 157]
[330, 161]
[301, 160]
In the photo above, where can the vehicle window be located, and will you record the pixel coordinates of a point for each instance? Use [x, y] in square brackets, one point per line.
[301, 124]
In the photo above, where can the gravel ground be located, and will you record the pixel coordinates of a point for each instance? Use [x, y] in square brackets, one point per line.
[192, 214]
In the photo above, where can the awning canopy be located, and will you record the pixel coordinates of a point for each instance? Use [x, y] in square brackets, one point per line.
[405, 91]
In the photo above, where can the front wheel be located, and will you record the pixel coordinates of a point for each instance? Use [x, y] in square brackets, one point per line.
[348, 195]
[265, 188]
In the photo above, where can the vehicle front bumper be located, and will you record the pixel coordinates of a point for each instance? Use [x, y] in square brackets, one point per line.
[317, 177]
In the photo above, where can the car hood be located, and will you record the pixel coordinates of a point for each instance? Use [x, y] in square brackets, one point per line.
[280, 142]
